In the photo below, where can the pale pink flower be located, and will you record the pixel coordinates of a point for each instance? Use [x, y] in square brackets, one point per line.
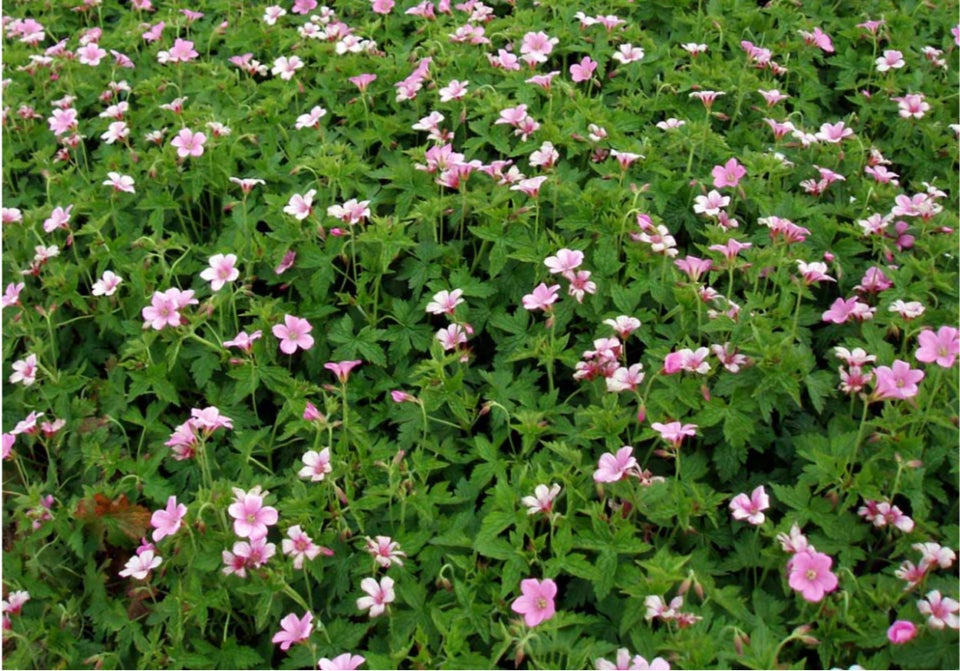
[311, 413]
[303, 6]
[819, 38]
[222, 270]
[815, 271]
[773, 96]
[537, 602]
[25, 371]
[545, 157]
[91, 54]
[455, 90]
[286, 68]
[351, 212]
[625, 379]
[294, 333]
[530, 186]
[710, 204]
[625, 158]
[542, 297]
[940, 347]
[565, 261]
[901, 631]
[163, 311]
[286, 263]
[182, 51]
[897, 382]
[28, 424]
[750, 508]
[311, 119]
[728, 174]
[116, 131]
[245, 555]
[536, 47]
[299, 206]
[627, 53]
[120, 182]
[272, 14]
[379, 595]
[9, 440]
[623, 325]
[167, 521]
[674, 432]
[386, 551]
[612, 468]
[445, 302]
[810, 574]
[583, 71]
[362, 82]
[625, 662]
[299, 546]
[382, 6]
[707, 97]
[939, 610]
[795, 541]
[209, 419]
[189, 143]
[891, 60]
[452, 337]
[344, 662]
[12, 215]
[250, 517]
[843, 309]
[693, 48]
[243, 340]
[107, 284]
[881, 513]
[694, 267]
[935, 554]
[670, 124]
[912, 105]
[14, 602]
[316, 465]
[247, 183]
[833, 133]
[542, 499]
[140, 565]
[294, 630]
[342, 368]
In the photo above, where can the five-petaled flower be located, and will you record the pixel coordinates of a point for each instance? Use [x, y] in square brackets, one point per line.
[167, 521]
[750, 508]
[810, 574]
[379, 595]
[189, 143]
[294, 630]
[537, 602]
[294, 334]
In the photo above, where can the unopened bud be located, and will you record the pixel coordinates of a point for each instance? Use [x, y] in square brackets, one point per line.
[641, 414]
[684, 586]
[705, 392]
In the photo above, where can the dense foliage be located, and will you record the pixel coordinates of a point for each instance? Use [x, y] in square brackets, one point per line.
[548, 334]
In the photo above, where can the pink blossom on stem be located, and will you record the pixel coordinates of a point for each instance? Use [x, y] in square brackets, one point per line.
[941, 346]
[896, 382]
[583, 71]
[300, 547]
[167, 521]
[750, 508]
[379, 595]
[810, 574]
[901, 631]
[294, 334]
[728, 175]
[612, 468]
[542, 297]
[294, 630]
[342, 368]
[316, 465]
[537, 602]
[250, 517]
[386, 551]
[344, 662]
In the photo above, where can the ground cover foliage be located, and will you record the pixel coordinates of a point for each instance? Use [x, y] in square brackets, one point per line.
[549, 335]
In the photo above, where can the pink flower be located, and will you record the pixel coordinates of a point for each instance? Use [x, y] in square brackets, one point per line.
[379, 595]
[565, 261]
[294, 630]
[625, 379]
[693, 267]
[623, 325]
[815, 271]
[303, 6]
[351, 212]
[299, 206]
[843, 309]
[728, 174]
[243, 341]
[294, 333]
[530, 186]
[300, 546]
[675, 432]
[342, 368]
[182, 51]
[455, 90]
[286, 67]
[542, 499]
[163, 311]
[901, 631]
[140, 565]
[898, 382]
[222, 270]
[542, 298]
[773, 96]
[912, 105]
[536, 47]
[166, 522]
[286, 263]
[810, 574]
[209, 419]
[25, 371]
[445, 302]
[91, 54]
[344, 662]
[940, 347]
[247, 183]
[882, 513]
[245, 555]
[120, 182]
[451, 337]
[627, 53]
[59, 218]
[750, 508]
[891, 60]
[250, 517]
[362, 82]
[316, 465]
[8, 442]
[710, 204]
[940, 611]
[612, 468]
[189, 143]
[386, 551]
[583, 71]
[107, 284]
[637, 663]
[537, 603]
[382, 6]
[311, 119]
[833, 133]
[707, 97]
